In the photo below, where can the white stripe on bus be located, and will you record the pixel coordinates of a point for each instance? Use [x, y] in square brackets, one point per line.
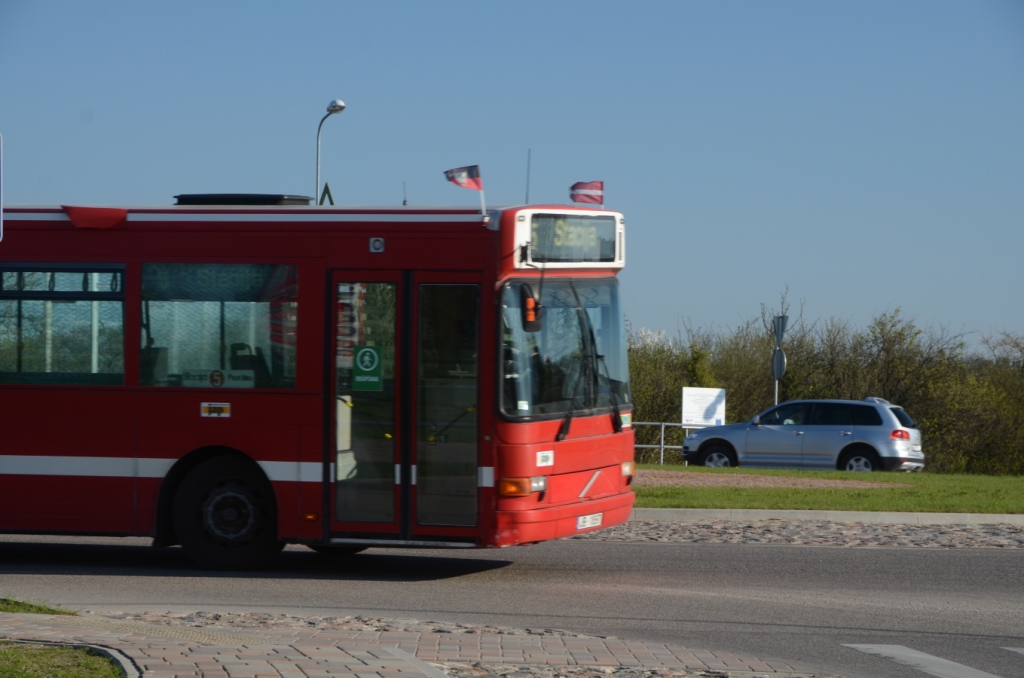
[485, 476]
[129, 467]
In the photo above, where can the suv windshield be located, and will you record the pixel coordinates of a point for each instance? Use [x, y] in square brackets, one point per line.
[576, 362]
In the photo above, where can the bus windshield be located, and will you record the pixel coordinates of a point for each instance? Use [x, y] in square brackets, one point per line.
[576, 362]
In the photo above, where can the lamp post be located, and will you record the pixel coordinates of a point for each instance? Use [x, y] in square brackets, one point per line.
[336, 106]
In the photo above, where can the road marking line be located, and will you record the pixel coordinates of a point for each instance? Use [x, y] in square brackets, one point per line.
[1018, 650]
[943, 668]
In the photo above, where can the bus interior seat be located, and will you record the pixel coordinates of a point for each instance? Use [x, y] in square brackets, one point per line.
[153, 366]
[243, 358]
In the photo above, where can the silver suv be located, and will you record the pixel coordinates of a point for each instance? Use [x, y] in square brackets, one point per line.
[849, 435]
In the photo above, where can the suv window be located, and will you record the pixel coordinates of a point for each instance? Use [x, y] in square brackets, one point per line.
[904, 418]
[787, 415]
[830, 414]
[866, 415]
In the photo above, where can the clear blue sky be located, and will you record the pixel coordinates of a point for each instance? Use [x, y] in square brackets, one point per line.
[866, 155]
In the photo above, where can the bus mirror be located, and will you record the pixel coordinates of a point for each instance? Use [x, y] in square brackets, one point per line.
[532, 310]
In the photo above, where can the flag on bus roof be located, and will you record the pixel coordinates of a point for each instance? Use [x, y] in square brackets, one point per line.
[588, 191]
[467, 177]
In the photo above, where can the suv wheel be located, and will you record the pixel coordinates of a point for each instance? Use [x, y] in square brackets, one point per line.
[718, 456]
[859, 460]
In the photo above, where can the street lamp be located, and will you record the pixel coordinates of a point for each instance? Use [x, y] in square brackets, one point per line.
[336, 106]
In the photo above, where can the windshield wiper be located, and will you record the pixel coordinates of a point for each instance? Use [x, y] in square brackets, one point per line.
[589, 367]
[567, 422]
[598, 358]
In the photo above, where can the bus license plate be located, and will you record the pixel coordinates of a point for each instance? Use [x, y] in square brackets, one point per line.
[593, 520]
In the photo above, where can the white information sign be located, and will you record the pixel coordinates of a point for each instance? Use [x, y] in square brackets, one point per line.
[703, 407]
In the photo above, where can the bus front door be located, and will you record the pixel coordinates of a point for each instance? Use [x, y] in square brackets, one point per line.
[405, 383]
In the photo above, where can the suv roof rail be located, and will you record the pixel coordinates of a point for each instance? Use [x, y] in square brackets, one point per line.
[873, 399]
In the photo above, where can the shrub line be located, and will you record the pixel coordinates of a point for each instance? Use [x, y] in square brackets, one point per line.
[869, 517]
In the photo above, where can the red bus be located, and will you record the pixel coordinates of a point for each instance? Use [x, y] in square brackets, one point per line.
[238, 372]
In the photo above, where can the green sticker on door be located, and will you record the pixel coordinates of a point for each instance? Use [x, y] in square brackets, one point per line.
[366, 374]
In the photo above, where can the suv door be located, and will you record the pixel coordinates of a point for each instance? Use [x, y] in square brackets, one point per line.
[777, 441]
[829, 431]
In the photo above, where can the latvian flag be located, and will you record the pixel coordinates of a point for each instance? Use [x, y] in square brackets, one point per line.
[467, 177]
[588, 191]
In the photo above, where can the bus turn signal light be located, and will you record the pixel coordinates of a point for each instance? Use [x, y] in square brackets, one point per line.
[900, 435]
[521, 487]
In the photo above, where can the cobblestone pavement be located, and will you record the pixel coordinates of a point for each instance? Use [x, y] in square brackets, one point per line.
[255, 645]
[814, 533]
[258, 645]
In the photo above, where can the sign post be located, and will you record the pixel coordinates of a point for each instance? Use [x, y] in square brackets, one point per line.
[779, 358]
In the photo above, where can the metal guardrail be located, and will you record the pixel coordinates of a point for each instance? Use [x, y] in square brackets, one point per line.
[661, 444]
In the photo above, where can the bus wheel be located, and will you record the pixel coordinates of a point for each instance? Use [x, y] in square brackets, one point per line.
[225, 518]
[336, 550]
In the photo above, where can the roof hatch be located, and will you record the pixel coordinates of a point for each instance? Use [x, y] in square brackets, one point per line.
[241, 199]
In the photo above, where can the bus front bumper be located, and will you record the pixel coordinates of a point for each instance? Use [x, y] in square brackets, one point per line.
[527, 527]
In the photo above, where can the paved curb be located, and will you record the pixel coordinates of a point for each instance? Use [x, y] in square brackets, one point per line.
[871, 517]
[409, 653]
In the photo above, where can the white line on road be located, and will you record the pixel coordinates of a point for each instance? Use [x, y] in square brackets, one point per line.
[1018, 650]
[943, 668]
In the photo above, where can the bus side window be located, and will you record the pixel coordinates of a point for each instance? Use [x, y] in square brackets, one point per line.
[219, 325]
[62, 324]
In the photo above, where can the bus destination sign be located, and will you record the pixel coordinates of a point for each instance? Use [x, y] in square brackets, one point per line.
[570, 238]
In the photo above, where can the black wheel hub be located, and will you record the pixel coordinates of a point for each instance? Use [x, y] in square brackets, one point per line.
[229, 515]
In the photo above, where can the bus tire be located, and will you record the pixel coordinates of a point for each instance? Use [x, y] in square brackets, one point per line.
[225, 516]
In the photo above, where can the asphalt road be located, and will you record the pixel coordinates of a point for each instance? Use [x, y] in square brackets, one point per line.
[792, 602]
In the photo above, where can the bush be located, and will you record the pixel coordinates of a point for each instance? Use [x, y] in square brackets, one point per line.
[970, 407]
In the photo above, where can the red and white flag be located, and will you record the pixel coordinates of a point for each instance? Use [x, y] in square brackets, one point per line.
[466, 177]
[588, 191]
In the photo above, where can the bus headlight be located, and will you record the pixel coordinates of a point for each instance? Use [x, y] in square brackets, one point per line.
[627, 468]
[522, 487]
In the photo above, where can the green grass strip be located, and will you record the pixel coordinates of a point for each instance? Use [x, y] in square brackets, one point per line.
[46, 661]
[12, 605]
[915, 493]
